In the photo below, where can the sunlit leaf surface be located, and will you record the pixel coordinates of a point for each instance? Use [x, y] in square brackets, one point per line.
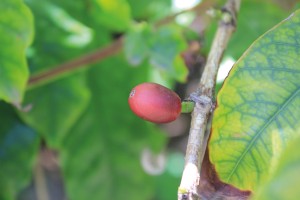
[283, 183]
[16, 33]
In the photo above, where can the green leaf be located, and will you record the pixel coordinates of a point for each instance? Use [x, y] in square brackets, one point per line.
[16, 30]
[56, 107]
[136, 47]
[253, 24]
[284, 182]
[101, 154]
[254, 19]
[75, 34]
[165, 49]
[150, 10]
[258, 107]
[114, 14]
[18, 149]
[53, 46]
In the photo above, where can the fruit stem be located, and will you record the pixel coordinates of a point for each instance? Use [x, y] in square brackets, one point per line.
[187, 106]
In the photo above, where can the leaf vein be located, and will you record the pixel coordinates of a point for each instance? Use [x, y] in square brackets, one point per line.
[256, 137]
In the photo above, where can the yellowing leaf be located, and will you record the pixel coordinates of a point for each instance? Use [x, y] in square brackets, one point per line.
[284, 182]
[258, 107]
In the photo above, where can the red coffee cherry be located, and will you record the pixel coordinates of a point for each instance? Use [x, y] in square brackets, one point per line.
[154, 103]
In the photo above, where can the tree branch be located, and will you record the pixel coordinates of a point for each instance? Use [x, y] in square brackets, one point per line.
[203, 98]
[100, 54]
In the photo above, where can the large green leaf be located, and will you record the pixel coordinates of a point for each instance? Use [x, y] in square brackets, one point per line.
[101, 154]
[258, 107]
[284, 182]
[16, 30]
[18, 149]
[56, 107]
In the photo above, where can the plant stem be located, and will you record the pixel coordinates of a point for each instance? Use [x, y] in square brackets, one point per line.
[203, 98]
[80, 62]
[187, 106]
[102, 53]
[199, 8]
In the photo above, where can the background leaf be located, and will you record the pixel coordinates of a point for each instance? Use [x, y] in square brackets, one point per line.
[149, 10]
[19, 145]
[254, 19]
[51, 47]
[258, 107]
[165, 49]
[136, 45]
[56, 107]
[251, 24]
[107, 164]
[84, 115]
[113, 14]
[16, 30]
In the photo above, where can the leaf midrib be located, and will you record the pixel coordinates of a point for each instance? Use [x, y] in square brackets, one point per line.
[260, 132]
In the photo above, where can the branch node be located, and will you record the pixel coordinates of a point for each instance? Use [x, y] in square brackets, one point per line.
[227, 18]
[184, 194]
[229, 13]
[200, 98]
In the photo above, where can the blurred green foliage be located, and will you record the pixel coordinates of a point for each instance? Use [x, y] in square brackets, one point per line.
[18, 147]
[83, 115]
[254, 19]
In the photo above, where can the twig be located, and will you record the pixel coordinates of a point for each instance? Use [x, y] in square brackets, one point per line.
[199, 8]
[204, 105]
[80, 62]
[100, 54]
